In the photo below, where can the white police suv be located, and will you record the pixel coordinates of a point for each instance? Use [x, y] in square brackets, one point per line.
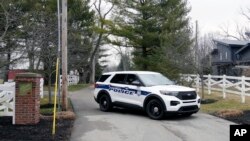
[150, 91]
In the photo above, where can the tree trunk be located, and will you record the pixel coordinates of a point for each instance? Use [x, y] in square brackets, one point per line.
[93, 63]
[38, 64]
[82, 77]
[31, 63]
[92, 75]
[93, 56]
[49, 89]
[144, 56]
[7, 64]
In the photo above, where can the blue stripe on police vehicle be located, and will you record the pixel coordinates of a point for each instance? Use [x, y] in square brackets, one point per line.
[122, 90]
[126, 90]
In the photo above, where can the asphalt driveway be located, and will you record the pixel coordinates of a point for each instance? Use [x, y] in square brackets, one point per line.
[133, 125]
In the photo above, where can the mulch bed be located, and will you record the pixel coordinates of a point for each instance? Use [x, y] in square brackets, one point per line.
[40, 132]
[243, 119]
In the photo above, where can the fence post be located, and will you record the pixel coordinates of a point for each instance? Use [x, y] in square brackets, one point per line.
[41, 87]
[209, 84]
[243, 89]
[197, 83]
[188, 78]
[224, 85]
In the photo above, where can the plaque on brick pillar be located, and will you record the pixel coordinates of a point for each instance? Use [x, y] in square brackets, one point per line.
[25, 88]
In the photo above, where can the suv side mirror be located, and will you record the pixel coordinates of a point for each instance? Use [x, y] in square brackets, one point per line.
[136, 83]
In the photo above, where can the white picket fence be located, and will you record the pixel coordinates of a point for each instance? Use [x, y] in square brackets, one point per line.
[41, 87]
[7, 100]
[72, 80]
[225, 84]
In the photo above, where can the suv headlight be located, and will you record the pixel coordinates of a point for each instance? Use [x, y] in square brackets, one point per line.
[171, 93]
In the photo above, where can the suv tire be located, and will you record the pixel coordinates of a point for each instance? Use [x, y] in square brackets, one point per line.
[155, 109]
[105, 103]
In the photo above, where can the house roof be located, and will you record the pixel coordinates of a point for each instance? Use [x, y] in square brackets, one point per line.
[232, 42]
[242, 48]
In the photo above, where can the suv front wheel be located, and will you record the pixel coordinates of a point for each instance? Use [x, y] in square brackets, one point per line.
[105, 103]
[155, 109]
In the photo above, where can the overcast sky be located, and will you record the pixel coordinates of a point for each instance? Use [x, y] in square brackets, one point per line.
[214, 14]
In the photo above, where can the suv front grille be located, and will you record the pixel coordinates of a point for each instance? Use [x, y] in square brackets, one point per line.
[188, 108]
[187, 95]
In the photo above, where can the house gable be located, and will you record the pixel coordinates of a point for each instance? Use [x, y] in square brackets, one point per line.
[227, 51]
[222, 54]
[228, 54]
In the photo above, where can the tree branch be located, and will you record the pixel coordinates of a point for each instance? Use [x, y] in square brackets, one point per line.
[7, 22]
[98, 9]
[108, 11]
[245, 14]
[227, 34]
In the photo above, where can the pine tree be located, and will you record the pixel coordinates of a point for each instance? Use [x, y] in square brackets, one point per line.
[159, 32]
[80, 26]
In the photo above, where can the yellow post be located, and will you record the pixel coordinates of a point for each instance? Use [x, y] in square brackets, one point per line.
[55, 96]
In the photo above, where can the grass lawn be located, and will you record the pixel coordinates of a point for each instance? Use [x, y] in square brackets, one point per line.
[232, 102]
[77, 87]
[46, 108]
[70, 88]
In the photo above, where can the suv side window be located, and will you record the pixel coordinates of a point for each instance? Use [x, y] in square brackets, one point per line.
[118, 78]
[103, 78]
[131, 78]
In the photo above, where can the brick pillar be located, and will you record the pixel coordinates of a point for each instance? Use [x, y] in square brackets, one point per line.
[27, 105]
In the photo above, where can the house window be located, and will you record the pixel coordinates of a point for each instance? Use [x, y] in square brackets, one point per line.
[220, 56]
[226, 55]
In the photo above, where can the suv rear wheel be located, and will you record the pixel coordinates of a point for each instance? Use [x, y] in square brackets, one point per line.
[155, 109]
[105, 103]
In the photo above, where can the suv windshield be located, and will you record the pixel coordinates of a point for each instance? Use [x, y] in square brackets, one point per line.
[155, 79]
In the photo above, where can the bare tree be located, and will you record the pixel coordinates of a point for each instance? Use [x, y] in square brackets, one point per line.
[10, 16]
[240, 31]
[124, 53]
[238, 35]
[101, 31]
[206, 45]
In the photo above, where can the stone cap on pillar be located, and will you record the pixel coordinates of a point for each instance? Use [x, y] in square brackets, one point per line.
[28, 75]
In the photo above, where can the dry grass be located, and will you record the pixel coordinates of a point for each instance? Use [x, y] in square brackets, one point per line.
[61, 115]
[229, 113]
[66, 115]
[229, 104]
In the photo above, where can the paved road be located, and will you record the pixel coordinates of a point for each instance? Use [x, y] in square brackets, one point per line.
[126, 125]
